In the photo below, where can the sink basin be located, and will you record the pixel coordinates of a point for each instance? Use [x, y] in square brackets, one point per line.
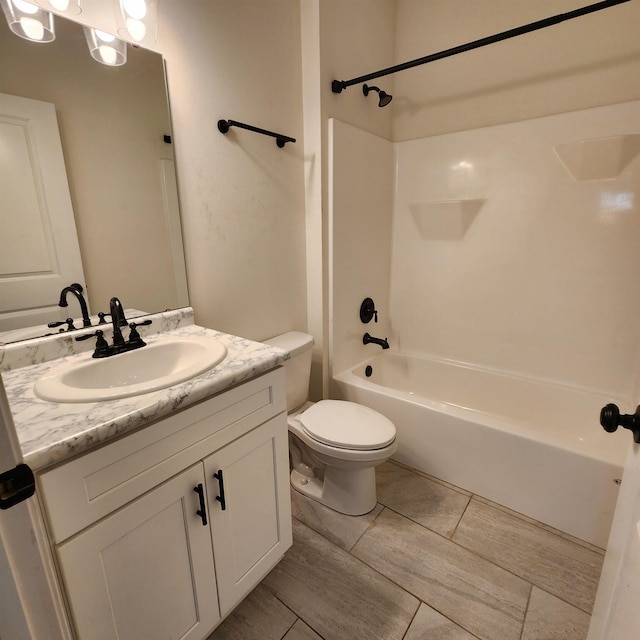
[160, 364]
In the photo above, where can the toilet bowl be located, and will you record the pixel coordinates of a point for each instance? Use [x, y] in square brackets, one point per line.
[334, 445]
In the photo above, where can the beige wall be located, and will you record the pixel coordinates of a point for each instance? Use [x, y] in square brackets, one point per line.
[360, 218]
[590, 61]
[341, 40]
[241, 197]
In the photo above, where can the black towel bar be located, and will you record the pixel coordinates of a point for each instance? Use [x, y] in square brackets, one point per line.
[281, 140]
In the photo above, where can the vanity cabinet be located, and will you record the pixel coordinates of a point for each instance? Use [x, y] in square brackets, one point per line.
[163, 532]
[146, 571]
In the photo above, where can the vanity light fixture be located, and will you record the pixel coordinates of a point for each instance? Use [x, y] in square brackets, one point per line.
[137, 20]
[29, 21]
[65, 7]
[106, 48]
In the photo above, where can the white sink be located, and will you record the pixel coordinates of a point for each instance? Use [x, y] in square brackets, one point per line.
[161, 364]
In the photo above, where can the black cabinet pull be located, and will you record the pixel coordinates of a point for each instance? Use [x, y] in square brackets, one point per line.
[220, 498]
[202, 512]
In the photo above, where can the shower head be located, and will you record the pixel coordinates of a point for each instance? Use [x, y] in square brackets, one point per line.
[385, 98]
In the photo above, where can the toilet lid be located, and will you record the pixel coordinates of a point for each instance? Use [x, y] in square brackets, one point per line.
[347, 425]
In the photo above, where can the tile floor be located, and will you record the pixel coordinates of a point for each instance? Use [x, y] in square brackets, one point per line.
[431, 561]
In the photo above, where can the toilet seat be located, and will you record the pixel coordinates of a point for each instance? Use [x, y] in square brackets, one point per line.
[347, 425]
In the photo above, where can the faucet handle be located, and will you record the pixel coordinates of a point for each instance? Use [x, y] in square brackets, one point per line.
[68, 321]
[134, 336]
[102, 346]
[101, 317]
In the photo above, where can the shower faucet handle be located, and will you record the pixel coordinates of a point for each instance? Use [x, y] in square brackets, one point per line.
[368, 311]
[611, 419]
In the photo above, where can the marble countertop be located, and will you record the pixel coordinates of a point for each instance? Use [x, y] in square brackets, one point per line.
[49, 433]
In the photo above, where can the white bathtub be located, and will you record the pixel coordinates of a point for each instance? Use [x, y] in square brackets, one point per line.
[534, 447]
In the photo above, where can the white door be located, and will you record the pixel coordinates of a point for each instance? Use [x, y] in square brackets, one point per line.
[39, 251]
[30, 606]
[13, 622]
[251, 529]
[616, 614]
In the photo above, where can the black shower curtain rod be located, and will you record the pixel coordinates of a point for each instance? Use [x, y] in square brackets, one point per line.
[338, 85]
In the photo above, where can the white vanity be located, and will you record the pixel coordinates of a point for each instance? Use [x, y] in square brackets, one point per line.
[164, 509]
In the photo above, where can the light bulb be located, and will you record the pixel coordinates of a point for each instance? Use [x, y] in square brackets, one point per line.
[25, 7]
[60, 5]
[137, 29]
[104, 36]
[136, 9]
[32, 28]
[108, 54]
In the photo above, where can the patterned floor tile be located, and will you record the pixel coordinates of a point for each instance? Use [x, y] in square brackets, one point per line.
[337, 595]
[340, 529]
[422, 500]
[550, 562]
[428, 623]
[301, 631]
[549, 618]
[260, 616]
[477, 595]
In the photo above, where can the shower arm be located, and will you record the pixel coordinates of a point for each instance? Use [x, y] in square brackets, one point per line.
[338, 85]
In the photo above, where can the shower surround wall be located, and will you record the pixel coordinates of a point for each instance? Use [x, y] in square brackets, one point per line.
[500, 256]
[513, 257]
[360, 207]
[503, 258]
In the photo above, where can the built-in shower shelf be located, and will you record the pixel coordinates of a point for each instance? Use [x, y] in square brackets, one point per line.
[445, 219]
[599, 158]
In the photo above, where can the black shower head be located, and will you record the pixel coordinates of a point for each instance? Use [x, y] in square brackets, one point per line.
[385, 98]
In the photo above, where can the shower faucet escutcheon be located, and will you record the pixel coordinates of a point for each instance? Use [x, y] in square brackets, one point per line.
[368, 311]
[366, 339]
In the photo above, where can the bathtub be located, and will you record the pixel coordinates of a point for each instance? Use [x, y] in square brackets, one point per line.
[535, 447]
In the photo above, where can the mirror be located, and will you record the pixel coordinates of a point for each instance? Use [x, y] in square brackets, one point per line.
[114, 127]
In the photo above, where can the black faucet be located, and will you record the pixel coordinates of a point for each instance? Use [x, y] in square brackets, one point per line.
[366, 339]
[76, 289]
[104, 349]
[118, 320]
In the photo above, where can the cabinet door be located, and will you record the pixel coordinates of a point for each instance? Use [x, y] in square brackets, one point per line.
[253, 530]
[146, 571]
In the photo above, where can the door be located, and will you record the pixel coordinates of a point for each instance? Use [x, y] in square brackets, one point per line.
[616, 615]
[31, 608]
[250, 507]
[145, 572]
[39, 251]
[13, 620]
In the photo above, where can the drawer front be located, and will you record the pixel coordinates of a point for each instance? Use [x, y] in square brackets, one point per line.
[84, 490]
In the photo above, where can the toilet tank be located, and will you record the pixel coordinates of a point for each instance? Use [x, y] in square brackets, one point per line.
[298, 367]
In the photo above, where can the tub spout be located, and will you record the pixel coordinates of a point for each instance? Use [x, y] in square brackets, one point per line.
[366, 339]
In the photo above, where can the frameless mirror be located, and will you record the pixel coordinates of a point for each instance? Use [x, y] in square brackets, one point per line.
[114, 129]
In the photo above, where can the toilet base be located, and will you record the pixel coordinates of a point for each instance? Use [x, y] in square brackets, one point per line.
[348, 491]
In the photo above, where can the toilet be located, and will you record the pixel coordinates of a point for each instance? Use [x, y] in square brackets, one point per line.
[334, 445]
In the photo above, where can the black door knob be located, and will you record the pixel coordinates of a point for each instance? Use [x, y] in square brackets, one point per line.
[611, 419]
